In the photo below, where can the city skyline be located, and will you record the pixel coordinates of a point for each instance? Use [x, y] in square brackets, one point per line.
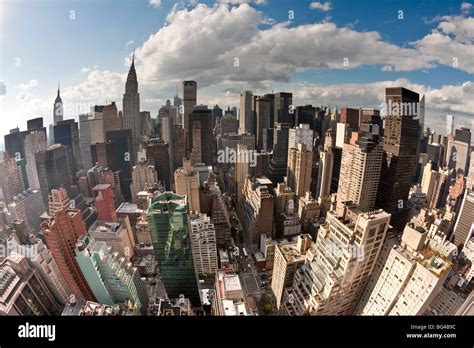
[431, 58]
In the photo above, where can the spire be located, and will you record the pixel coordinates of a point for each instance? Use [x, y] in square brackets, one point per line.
[133, 58]
[59, 87]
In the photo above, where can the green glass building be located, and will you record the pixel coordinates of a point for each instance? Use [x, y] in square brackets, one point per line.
[168, 225]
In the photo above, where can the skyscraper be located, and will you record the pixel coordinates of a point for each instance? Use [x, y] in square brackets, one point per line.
[361, 164]
[246, 113]
[262, 114]
[11, 179]
[157, 153]
[58, 111]
[112, 279]
[67, 133]
[203, 114]
[339, 265]
[104, 202]
[203, 244]
[283, 108]
[61, 232]
[143, 175]
[124, 157]
[400, 145]
[189, 102]
[23, 292]
[54, 169]
[279, 162]
[34, 142]
[167, 219]
[186, 182]
[131, 107]
[298, 177]
[464, 228]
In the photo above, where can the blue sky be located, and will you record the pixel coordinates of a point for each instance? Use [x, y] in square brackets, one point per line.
[40, 44]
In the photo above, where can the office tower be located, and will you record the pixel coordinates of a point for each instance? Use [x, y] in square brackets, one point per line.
[305, 115]
[124, 156]
[457, 155]
[28, 206]
[23, 292]
[186, 182]
[117, 235]
[168, 131]
[283, 196]
[246, 114]
[11, 179]
[202, 235]
[54, 169]
[196, 151]
[104, 202]
[58, 199]
[229, 125]
[145, 123]
[97, 124]
[464, 228]
[343, 134]
[143, 175]
[400, 145]
[67, 133]
[449, 124]
[167, 220]
[287, 259]
[370, 116]
[229, 297]
[257, 209]
[102, 175]
[339, 265]
[412, 276]
[34, 142]
[287, 222]
[180, 146]
[351, 117]
[112, 279]
[435, 153]
[262, 114]
[202, 114]
[189, 102]
[111, 118]
[58, 111]
[300, 162]
[242, 169]
[463, 134]
[361, 164]
[216, 115]
[157, 153]
[283, 108]
[326, 166]
[103, 154]
[131, 108]
[85, 139]
[61, 232]
[301, 134]
[279, 162]
[14, 143]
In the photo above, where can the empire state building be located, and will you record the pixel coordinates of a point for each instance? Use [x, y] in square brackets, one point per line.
[131, 107]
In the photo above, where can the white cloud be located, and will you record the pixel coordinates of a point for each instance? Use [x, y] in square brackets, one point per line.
[27, 86]
[466, 6]
[322, 6]
[155, 3]
[129, 43]
[237, 2]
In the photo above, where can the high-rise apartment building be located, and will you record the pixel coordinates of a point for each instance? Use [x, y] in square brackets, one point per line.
[28, 206]
[143, 175]
[300, 161]
[61, 232]
[23, 292]
[288, 258]
[112, 279]
[11, 179]
[361, 164]
[339, 265]
[412, 276]
[203, 244]
[104, 202]
[186, 182]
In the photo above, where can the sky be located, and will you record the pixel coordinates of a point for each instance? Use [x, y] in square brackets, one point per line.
[337, 53]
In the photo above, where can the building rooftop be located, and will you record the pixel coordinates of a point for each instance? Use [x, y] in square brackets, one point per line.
[290, 252]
